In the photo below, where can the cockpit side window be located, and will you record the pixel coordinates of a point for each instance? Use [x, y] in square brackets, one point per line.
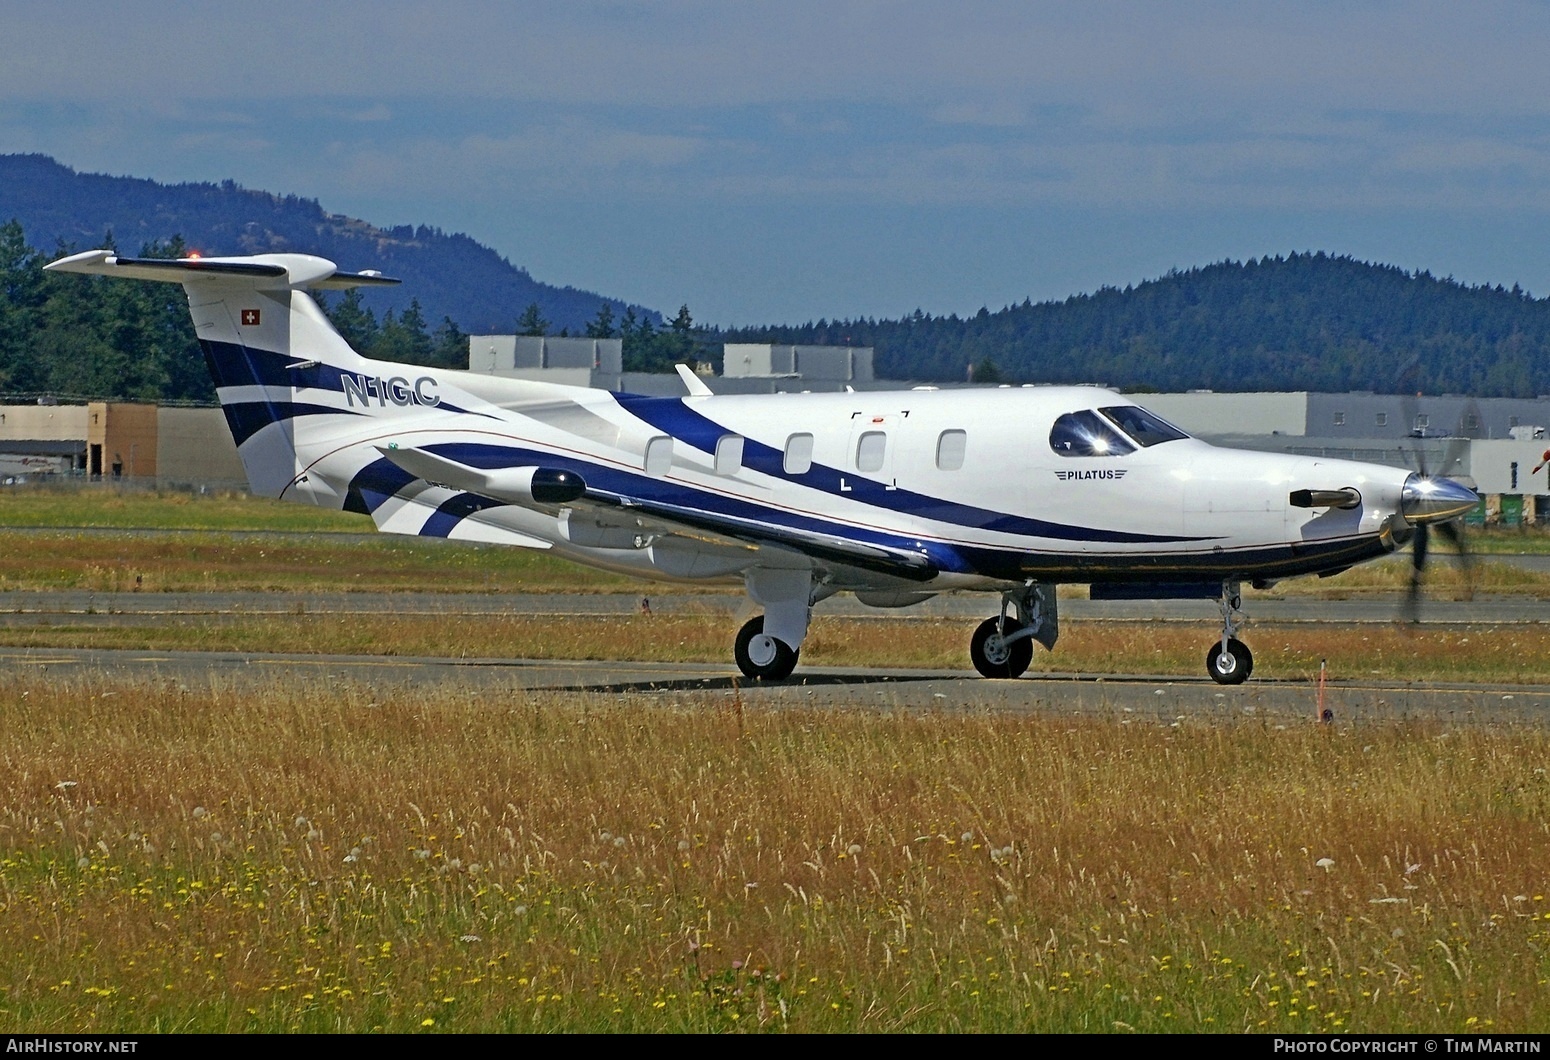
[1144, 428]
[1086, 433]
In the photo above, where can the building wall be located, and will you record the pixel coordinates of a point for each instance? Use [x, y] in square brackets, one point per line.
[490, 354]
[194, 448]
[1491, 465]
[743, 359]
[121, 439]
[48, 423]
[1216, 414]
[814, 364]
[1362, 415]
[507, 354]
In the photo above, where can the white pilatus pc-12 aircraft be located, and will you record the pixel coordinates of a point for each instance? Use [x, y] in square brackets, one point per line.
[893, 496]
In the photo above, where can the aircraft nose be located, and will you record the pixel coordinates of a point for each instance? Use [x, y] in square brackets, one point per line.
[1434, 500]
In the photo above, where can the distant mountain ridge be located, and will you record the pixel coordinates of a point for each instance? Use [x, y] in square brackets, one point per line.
[1306, 321]
[450, 275]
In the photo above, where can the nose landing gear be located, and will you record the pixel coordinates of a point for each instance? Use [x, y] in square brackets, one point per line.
[1229, 662]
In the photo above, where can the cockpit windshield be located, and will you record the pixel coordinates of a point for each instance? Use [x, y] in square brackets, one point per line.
[1143, 427]
[1086, 433]
[1120, 429]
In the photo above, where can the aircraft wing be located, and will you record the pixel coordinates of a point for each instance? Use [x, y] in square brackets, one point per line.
[564, 494]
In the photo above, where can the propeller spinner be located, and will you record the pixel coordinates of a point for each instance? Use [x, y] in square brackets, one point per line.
[1427, 501]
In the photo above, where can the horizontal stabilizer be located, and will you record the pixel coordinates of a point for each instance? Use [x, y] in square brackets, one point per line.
[262, 270]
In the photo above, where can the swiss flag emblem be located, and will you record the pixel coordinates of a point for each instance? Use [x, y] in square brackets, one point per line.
[250, 318]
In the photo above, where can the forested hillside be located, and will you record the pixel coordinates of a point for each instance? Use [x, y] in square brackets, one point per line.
[1302, 322]
[451, 276]
[74, 337]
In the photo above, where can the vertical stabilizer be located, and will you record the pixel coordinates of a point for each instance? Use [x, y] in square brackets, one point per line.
[273, 355]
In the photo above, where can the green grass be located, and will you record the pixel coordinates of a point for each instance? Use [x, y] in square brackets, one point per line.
[99, 506]
[232, 858]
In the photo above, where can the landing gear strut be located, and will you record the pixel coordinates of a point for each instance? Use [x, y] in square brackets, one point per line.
[1002, 647]
[1229, 662]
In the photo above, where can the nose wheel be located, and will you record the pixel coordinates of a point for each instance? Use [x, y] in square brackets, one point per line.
[1229, 662]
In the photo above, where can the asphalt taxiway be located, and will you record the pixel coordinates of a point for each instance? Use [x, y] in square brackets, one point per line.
[1122, 695]
[120, 608]
[1138, 695]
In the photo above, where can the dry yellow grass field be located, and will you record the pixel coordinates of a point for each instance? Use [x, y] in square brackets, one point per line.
[225, 858]
[353, 857]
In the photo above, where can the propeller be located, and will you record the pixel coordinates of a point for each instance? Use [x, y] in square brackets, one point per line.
[1420, 548]
[1432, 499]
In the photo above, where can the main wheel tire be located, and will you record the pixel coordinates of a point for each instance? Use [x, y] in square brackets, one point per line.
[763, 658]
[994, 658]
[1230, 667]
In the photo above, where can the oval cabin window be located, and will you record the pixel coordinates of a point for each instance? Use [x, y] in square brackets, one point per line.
[950, 446]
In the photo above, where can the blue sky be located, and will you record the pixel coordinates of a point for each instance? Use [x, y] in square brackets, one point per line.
[788, 161]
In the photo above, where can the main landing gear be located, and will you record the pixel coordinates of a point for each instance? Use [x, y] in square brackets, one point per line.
[762, 657]
[768, 645]
[1229, 662]
[1002, 647]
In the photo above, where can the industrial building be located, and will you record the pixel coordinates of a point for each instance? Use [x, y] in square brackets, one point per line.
[747, 368]
[123, 441]
[814, 367]
[570, 362]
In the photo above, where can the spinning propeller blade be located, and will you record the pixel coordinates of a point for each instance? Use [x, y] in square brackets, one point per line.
[1432, 497]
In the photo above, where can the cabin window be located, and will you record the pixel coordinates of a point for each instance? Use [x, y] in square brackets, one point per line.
[729, 454]
[659, 456]
[870, 448]
[799, 454]
[950, 447]
[1340, 419]
[1383, 419]
[1471, 422]
[1086, 433]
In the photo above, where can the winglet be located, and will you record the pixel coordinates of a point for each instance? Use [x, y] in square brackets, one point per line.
[693, 383]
